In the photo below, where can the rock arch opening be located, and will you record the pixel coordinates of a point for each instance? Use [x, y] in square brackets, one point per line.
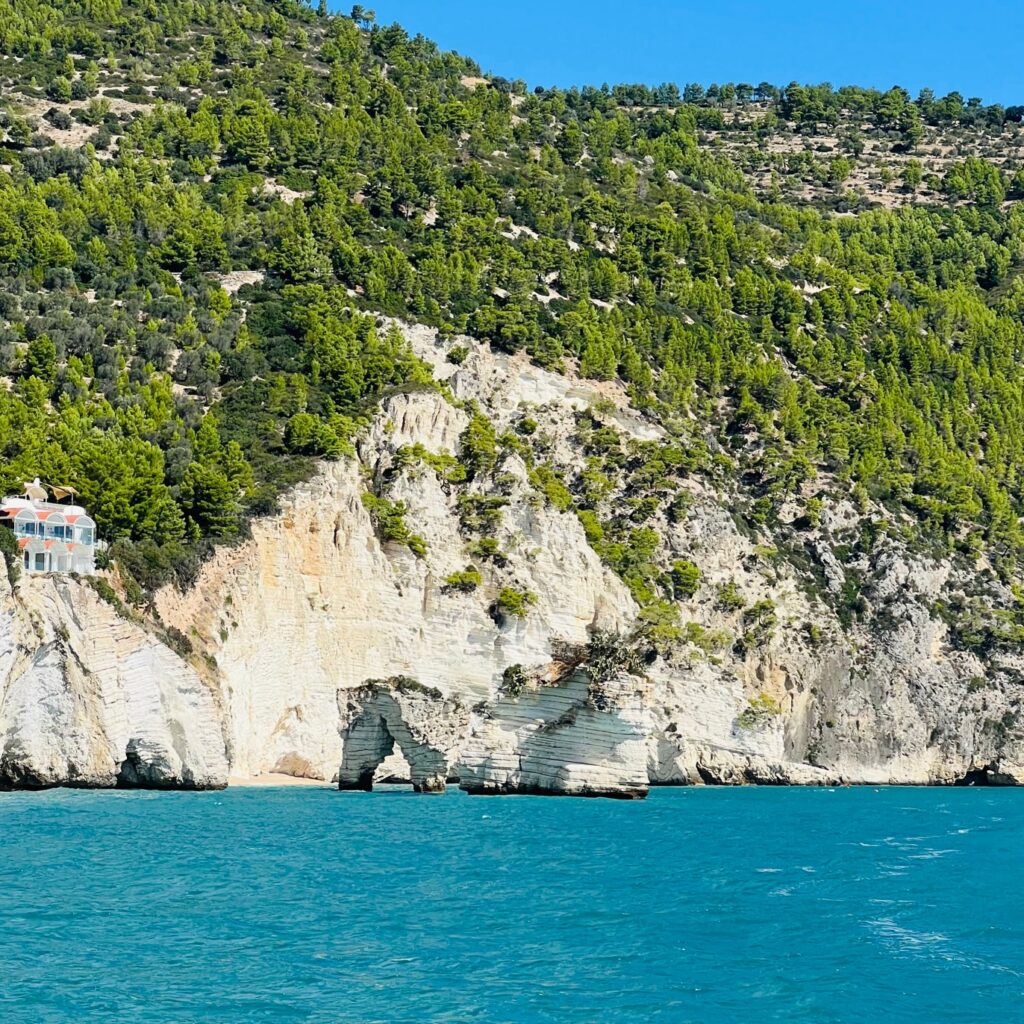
[423, 726]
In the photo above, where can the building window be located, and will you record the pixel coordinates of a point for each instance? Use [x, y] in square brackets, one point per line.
[85, 536]
[40, 565]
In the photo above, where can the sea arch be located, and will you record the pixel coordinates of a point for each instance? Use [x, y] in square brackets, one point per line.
[427, 727]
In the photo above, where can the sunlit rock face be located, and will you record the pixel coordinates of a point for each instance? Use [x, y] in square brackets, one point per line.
[428, 728]
[565, 736]
[570, 738]
[316, 602]
[90, 698]
[288, 628]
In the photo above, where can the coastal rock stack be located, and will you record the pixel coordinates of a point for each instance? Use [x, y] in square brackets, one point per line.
[428, 729]
[567, 736]
[571, 738]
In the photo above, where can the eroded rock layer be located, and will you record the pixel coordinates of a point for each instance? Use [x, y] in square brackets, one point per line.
[90, 698]
[763, 670]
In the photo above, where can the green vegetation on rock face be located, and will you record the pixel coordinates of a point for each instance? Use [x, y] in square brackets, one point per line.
[759, 710]
[204, 206]
[514, 602]
[388, 519]
[465, 580]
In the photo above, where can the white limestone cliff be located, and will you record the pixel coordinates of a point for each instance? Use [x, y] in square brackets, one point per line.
[89, 698]
[569, 738]
[315, 602]
[289, 626]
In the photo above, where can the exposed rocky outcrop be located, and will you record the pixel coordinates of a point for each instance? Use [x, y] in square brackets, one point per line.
[344, 607]
[565, 736]
[574, 737]
[89, 698]
[817, 664]
[428, 728]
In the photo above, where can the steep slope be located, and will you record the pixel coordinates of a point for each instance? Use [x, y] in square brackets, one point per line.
[564, 440]
[291, 627]
[89, 698]
[342, 607]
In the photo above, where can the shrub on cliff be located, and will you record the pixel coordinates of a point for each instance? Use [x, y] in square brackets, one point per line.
[685, 578]
[465, 581]
[759, 710]
[513, 681]
[388, 518]
[478, 446]
[12, 554]
[514, 602]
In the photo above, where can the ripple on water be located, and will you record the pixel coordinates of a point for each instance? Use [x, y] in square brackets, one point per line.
[710, 906]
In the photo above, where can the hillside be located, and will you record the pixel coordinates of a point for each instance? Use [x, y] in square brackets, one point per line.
[764, 347]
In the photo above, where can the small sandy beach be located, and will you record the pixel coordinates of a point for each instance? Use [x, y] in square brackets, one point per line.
[275, 779]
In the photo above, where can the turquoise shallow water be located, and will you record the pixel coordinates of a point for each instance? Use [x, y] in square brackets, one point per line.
[697, 905]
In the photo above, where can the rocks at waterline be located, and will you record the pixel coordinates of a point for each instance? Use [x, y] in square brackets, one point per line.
[569, 736]
[427, 727]
[91, 698]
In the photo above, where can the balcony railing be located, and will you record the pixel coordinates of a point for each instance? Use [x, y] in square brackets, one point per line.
[68, 534]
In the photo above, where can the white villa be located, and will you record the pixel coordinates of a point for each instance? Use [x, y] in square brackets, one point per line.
[53, 537]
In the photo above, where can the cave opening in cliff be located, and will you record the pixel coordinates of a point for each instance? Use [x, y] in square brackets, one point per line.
[976, 777]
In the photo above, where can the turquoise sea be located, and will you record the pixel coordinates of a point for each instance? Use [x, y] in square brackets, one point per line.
[718, 906]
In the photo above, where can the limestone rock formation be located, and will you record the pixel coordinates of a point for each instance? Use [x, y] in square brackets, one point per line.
[88, 698]
[820, 664]
[343, 606]
[559, 734]
[570, 738]
[428, 729]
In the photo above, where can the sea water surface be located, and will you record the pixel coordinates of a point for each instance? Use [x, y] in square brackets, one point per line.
[697, 905]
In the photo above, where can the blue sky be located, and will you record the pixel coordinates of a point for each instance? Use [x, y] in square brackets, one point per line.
[974, 48]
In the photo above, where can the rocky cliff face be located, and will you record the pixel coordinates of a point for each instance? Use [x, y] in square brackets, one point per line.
[770, 672]
[89, 698]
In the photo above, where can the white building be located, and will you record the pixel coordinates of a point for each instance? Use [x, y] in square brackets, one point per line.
[53, 537]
